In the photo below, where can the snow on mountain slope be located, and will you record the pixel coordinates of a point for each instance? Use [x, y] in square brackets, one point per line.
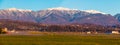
[93, 11]
[15, 9]
[58, 15]
[60, 8]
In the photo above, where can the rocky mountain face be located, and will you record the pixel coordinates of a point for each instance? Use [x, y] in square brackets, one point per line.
[59, 16]
[117, 16]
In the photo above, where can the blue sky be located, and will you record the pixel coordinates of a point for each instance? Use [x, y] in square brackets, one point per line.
[107, 6]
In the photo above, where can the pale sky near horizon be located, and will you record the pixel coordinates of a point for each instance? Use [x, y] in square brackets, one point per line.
[106, 6]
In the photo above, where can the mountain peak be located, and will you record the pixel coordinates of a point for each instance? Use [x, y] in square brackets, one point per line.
[60, 8]
[93, 11]
[15, 9]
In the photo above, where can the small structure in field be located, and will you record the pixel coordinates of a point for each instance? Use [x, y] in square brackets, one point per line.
[12, 31]
[115, 32]
[5, 29]
[88, 32]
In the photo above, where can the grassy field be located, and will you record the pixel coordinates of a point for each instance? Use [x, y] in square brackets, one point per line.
[54, 39]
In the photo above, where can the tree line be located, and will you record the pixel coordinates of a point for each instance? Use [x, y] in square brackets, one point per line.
[27, 26]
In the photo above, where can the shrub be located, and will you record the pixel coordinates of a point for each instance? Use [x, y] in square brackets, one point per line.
[3, 31]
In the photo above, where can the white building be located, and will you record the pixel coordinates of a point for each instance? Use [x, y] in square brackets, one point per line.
[115, 32]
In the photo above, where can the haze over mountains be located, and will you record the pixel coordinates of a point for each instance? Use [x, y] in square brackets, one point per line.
[59, 16]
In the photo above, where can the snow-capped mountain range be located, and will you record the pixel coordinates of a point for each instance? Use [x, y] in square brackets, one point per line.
[67, 9]
[59, 15]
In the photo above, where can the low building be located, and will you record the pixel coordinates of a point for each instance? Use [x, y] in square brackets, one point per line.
[91, 32]
[115, 32]
[88, 32]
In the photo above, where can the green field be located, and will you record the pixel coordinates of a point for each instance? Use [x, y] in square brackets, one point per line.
[59, 39]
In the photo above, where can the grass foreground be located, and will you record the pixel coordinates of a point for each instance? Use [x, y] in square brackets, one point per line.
[59, 39]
